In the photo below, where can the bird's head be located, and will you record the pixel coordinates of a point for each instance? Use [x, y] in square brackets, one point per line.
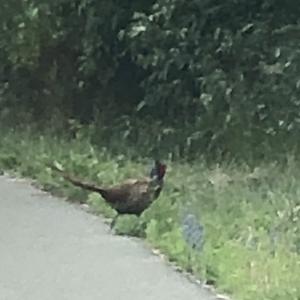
[158, 171]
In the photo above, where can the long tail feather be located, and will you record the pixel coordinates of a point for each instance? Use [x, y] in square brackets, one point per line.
[78, 182]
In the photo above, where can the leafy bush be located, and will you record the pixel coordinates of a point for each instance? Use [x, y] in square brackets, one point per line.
[64, 57]
[198, 76]
[228, 69]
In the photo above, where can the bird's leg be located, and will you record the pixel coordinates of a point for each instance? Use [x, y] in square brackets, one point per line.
[113, 222]
[189, 262]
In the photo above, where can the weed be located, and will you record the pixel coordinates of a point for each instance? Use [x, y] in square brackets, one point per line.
[251, 218]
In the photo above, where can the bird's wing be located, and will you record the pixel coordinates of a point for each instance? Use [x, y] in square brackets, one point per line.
[128, 190]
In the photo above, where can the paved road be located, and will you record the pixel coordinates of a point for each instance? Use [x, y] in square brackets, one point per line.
[52, 250]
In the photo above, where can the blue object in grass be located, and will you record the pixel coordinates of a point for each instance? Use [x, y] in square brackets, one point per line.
[193, 232]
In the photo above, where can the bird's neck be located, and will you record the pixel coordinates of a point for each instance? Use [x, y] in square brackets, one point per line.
[157, 182]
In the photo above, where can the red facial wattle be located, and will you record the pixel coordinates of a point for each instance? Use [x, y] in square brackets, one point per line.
[162, 171]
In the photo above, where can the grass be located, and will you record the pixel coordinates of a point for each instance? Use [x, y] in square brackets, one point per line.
[251, 217]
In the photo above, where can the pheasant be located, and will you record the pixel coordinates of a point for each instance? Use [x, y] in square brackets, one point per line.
[132, 196]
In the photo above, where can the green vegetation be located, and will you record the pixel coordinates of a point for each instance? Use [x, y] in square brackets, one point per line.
[198, 76]
[210, 86]
[251, 218]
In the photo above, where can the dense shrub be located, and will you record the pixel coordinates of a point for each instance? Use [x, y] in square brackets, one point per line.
[196, 75]
[230, 68]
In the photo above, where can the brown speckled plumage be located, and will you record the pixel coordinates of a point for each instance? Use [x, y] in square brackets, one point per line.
[132, 196]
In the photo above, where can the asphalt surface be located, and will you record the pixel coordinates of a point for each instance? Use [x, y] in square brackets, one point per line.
[50, 249]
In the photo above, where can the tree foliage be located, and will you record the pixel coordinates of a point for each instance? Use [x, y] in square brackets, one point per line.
[216, 74]
[229, 67]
